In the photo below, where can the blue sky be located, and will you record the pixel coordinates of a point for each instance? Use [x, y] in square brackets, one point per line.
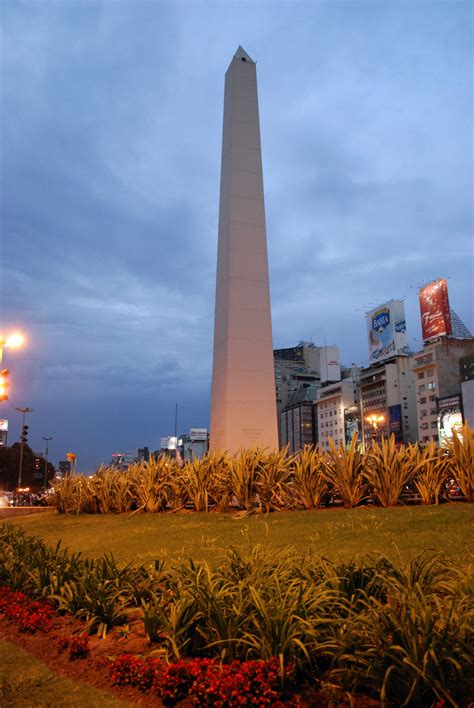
[110, 153]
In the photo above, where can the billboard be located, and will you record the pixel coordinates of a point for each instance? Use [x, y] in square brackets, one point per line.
[386, 330]
[395, 423]
[449, 418]
[198, 434]
[434, 309]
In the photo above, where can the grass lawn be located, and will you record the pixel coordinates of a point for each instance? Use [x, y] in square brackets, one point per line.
[398, 533]
[25, 681]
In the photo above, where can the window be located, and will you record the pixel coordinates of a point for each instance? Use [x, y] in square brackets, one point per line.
[432, 386]
[423, 400]
[430, 371]
[434, 424]
[421, 375]
[421, 388]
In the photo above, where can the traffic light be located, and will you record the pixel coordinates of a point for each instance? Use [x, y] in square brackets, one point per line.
[37, 463]
[4, 383]
[24, 434]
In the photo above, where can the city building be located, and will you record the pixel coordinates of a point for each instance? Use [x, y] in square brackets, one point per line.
[64, 468]
[298, 424]
[3, 432]
[466, 374]
[243, 407]
[388, 391]
[438, 386]
[121, 460]
[338, 411]
[143, 454]
[196, 444]
[299, 367]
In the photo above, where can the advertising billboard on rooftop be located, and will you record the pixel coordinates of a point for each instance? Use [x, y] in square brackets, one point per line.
[434, 309]
[386, 330]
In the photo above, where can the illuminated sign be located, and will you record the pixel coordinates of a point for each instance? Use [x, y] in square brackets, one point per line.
[434, 309]
[449, 418]
[3, 424]
[386, 329]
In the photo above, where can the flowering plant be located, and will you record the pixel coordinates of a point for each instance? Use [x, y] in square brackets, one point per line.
[30, 615]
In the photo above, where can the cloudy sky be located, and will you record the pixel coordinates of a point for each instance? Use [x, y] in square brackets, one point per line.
[110, 153]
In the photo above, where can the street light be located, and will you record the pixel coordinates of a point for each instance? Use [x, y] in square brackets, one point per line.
[24, 433]
[11, 341]
[47, 438]
[375, 421]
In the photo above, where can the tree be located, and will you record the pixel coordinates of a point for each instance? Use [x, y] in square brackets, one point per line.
[32, 473]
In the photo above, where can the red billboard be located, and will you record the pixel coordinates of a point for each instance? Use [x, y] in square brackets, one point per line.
[434, 308]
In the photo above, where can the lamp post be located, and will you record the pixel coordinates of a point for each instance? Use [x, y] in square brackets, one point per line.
[10, 341]
[47, 438]
[375, 421]
[22, 440]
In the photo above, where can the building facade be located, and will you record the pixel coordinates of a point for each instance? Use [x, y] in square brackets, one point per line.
[338, 412]
[437, 375]
[299, 367]
[298, 423]
[388, 391]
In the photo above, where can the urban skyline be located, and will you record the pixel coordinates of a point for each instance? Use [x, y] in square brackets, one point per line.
[114, 290]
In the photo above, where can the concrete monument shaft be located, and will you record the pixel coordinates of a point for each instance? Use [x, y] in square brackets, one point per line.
[243, 406]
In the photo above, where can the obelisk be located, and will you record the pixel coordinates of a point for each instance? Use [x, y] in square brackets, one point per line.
[243, 405]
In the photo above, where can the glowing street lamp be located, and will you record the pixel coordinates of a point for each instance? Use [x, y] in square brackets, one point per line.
[375, 421]
[14, 340]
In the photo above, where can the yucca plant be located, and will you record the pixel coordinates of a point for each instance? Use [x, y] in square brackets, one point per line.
[309, 483]
[204, 482]
[430, 478]
[461, 460]
[343, 470]
[389, 469]
[155, 484]
[244, 471]
[272, 480]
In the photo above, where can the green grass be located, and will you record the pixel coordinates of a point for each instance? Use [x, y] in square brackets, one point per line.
[398, 533]
[25, 681]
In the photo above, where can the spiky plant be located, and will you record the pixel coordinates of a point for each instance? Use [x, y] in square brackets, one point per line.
[272, 480]
[155, 485]
[244, 471]
[309, 483]
[432, 475]
[461, 460]
[343, 470]
[204, 482]
[389, 469]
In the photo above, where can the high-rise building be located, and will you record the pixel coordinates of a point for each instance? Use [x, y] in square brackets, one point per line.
[299, 367]
[298, 423]
[338, 411]
[388, 391]
[438, 379]
[243, 407]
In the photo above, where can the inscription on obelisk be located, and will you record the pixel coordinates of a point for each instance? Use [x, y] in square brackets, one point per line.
[243, 404]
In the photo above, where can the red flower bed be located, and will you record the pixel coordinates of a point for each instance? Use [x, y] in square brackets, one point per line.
[205, 682]
[29, 615]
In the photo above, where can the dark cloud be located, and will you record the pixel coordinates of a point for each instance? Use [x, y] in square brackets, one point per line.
[110, 139]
